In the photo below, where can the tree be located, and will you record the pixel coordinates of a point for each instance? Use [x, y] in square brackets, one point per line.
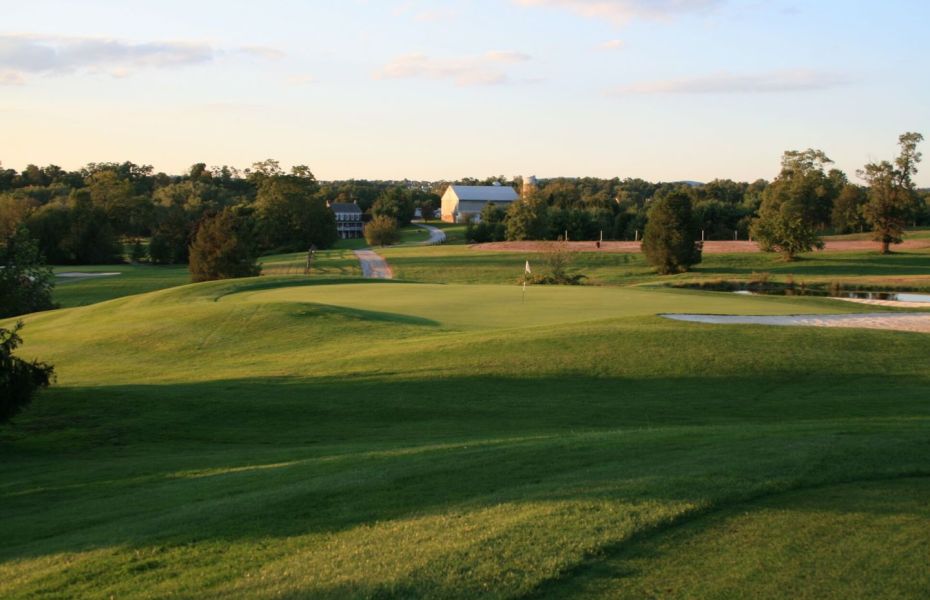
[289, 215]
[795, 205]
[848, 208]
[19, 379]
[396, 203]
[25, 281]
[892, 197]
[671, 240]
[527, 220]
[381, 231]
[221, 249]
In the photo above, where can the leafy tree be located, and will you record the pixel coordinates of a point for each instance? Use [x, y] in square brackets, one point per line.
[25, 281]
[671, 240]
[290, 217]
[221, 249]
[381, 231]
[396, 203]
[892, 197]
[848, 208]
[795, 205]
[527, 220]
[90, 239]
[19, 379]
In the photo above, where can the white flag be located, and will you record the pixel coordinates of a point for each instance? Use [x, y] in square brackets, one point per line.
[527, 269]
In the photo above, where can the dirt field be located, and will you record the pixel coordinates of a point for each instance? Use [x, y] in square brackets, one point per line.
[709, 247]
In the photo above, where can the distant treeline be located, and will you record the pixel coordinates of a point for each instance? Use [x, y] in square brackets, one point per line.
[96, 214]
[103, 211]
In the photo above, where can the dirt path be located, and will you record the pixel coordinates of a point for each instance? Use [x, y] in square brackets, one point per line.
[373, 265]
[436, 235]
[919, 322]
[709, 247]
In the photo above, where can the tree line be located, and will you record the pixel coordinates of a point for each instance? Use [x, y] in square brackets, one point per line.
[104, 211]
[806, 200]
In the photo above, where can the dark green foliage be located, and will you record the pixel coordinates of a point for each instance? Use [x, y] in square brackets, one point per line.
[381, 231]
[25, 281]
[290, 217]
[527, 220]
[892, 196]
[396, 203]
[671, 240]
[171, 238]
[848, 214]
[221, 249]
[796, 205]
[19, 379]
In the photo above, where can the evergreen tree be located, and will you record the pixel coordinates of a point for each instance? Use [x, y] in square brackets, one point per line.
[671, 240]
[19, 379]
[221, 249]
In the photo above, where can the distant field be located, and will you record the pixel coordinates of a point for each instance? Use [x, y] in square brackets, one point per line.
[132, 279]
[461, 264]
[297, 437]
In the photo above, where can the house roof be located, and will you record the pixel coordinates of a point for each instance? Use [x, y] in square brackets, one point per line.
[345, 207]
[486, 193]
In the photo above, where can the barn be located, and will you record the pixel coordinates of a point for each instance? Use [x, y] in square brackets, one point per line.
[462, 202]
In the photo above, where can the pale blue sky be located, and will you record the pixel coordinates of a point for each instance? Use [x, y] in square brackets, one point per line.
[659, 89]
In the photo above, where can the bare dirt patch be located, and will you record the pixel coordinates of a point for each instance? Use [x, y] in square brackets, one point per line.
[709, 247]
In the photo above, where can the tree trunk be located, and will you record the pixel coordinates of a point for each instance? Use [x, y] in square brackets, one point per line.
[886, 247]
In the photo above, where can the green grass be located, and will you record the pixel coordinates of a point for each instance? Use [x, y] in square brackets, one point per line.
[461, 264]
[298, 437]
[132, 279]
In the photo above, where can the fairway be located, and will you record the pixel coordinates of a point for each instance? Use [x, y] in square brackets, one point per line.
[294, 437]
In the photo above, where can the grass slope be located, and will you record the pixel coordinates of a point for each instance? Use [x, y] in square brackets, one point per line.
[284, 437]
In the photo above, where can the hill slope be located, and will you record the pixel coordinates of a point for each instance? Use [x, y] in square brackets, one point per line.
[278, 439]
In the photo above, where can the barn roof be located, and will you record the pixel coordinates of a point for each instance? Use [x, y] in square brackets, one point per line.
[486, 193]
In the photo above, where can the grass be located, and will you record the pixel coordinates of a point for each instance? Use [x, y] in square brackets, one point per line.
[461, 264]
[295, 437]
[132, 279]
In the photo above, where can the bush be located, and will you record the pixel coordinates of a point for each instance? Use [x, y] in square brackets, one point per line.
[670, 241]
[19, 379]
[221, 250]
[381, 231]
[25, 281]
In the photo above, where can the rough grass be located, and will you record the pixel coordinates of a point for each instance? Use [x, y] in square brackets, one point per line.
[291, 437]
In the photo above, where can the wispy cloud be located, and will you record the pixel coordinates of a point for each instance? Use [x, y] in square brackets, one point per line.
[26, 55]
[799, 80]
[477, 70]
[264, 52]
[620, 12]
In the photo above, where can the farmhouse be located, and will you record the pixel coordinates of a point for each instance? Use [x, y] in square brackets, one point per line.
[348, 219]
[462, 202]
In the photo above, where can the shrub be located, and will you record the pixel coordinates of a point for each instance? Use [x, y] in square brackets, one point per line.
[381, 231]
[19, 379]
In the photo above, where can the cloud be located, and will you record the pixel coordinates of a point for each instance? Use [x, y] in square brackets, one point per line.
[506, 56]
[25, 55]
[481, 70]
[799, 80]
[612, 45]
[264, 52]
[621, 12]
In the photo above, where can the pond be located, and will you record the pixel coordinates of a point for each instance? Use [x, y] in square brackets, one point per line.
[859, 295]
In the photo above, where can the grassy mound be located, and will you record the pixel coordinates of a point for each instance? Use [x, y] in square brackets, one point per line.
[281, 437]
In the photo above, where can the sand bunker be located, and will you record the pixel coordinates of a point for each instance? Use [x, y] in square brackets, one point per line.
[919, 322]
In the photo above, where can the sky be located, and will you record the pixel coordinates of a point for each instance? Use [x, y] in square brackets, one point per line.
[665, 90]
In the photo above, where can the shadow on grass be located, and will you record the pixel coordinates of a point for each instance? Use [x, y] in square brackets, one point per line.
[251, 459]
